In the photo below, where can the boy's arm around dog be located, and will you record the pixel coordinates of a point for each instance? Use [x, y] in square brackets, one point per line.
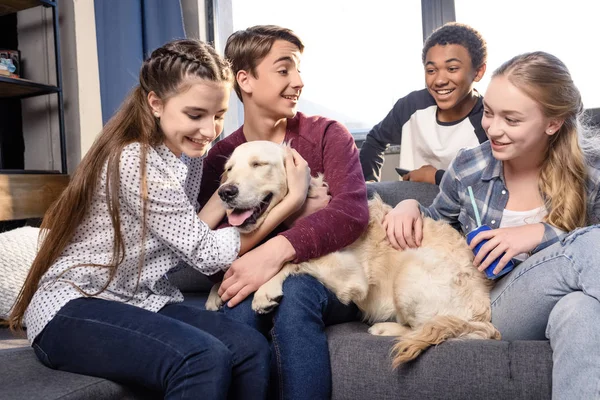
[330, 149]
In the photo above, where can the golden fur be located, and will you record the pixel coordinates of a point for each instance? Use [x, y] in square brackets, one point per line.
[424, 296]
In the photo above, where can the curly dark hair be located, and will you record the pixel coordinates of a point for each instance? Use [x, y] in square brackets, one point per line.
[462, 34]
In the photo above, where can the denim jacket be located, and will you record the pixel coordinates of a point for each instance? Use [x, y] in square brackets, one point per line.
[476, 167]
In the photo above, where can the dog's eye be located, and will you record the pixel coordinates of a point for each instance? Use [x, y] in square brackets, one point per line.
[256, 164]
[228, 169]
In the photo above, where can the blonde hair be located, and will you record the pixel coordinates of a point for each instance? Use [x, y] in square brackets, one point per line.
[166, 72]
[546, 80]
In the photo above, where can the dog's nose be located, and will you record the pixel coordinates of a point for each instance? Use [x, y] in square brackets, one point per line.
[228, 192]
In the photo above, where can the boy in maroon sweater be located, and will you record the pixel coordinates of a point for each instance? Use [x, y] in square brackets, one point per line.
[265, 60]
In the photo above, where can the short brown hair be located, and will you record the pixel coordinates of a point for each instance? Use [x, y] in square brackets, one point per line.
[246, 48]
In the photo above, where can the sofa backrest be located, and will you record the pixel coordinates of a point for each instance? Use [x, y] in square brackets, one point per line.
[393, 193]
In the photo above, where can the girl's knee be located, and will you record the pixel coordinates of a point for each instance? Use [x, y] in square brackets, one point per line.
[217, 358]
[258, 346]
[242, 312]
[576, 309]
[584, 239]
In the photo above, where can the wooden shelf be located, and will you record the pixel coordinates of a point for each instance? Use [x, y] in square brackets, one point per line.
[13, 6]
[25, 196]
[28, 194]
[21, 88]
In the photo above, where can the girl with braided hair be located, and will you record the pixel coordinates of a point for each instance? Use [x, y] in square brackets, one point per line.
[96, 300]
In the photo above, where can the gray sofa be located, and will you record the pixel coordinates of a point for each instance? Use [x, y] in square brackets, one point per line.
[478, 369]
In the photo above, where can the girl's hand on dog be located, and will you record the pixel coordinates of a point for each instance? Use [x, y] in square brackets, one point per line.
[513, 241]
[404, 225]
[298, 177]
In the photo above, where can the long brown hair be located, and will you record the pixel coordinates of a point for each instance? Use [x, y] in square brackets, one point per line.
[545, 79]
[165, 73]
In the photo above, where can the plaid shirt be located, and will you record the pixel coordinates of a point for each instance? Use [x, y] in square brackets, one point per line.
[477, 168]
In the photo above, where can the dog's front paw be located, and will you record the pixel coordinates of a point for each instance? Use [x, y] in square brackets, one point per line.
[388, 329]
[214, 302]
[266, 298]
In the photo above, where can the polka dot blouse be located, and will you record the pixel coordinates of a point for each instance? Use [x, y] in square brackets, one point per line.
[174, 234]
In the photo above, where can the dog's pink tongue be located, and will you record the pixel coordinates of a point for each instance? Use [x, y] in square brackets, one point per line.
[238, 218]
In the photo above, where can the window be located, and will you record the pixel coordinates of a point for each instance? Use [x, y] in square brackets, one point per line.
[359, 58]
[566, 29]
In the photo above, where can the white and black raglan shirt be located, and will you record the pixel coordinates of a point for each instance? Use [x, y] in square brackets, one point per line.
[413, 124]
[174, 233]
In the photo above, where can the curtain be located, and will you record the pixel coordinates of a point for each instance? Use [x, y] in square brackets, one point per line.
[127, 31]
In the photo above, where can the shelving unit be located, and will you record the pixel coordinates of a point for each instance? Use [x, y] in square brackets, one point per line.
[26, 193]
[13, 6]
[22, 88]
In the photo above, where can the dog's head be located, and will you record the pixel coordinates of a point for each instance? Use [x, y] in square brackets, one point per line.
[253, 183]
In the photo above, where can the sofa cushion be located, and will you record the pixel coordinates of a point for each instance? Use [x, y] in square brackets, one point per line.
[188, 279]
[10, 341]
[18, 248]
[360, 363]
[28, 379]
[457, 369]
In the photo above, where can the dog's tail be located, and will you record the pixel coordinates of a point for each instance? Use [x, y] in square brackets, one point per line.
[438, 330]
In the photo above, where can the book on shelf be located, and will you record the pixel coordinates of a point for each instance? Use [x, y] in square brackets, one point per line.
[10, 63]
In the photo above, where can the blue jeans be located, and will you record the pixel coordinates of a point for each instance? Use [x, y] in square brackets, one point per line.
[300, 367]
[181, 351]
[555, 294]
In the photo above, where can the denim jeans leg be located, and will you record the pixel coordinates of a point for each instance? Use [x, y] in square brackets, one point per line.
[574, 335]
[299, 344]
[300, 367]
[530, 304]
[523, 300]
[249, 348]
[131, 345]
[244, 313]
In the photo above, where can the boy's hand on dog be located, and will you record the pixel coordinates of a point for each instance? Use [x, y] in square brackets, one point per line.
[253, 269]
[424, 174]
[298, 177]
[513, 241]
[404, 225]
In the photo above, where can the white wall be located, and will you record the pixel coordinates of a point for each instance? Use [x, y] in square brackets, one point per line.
[81, 77]
[194, 18]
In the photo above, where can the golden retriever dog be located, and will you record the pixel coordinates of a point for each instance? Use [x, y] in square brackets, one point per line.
[423, 296]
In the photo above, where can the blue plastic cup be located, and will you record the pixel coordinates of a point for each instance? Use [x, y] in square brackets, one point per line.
[489, 271]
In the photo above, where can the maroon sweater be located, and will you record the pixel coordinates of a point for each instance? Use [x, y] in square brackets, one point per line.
[328, 148]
